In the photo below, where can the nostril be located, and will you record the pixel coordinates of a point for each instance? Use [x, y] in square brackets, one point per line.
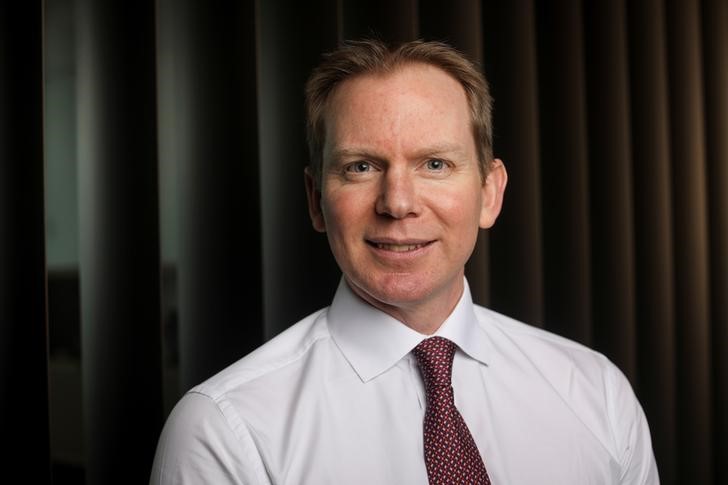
[397, 204]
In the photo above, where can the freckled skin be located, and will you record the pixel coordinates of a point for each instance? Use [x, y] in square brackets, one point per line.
[401, 196]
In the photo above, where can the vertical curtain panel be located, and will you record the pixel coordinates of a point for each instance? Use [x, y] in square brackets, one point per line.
[119, 238]
[654, 247]
[690, 231]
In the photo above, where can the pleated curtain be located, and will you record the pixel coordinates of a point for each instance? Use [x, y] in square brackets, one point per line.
[611, 118]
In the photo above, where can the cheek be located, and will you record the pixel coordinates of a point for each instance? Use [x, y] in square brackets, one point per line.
[460, 208]
[341, 212]
[460, 217]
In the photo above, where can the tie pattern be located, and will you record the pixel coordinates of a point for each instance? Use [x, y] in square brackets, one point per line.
[451, 455]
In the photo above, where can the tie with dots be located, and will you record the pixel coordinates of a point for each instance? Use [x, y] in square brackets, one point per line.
[451, 455]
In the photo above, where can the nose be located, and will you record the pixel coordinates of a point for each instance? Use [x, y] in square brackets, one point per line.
[398, 195]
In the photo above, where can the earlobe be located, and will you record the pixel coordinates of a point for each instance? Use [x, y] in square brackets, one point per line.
[493, 190]
[313, 194]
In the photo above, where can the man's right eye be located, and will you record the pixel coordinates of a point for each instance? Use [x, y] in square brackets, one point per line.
[359, 167]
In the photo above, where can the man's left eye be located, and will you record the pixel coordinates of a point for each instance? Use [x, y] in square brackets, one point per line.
[435, 164]
[359, 167]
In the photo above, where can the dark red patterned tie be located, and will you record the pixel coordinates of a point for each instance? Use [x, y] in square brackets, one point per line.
[451, 455]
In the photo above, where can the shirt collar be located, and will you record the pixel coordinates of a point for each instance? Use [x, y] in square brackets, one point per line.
[373, 341]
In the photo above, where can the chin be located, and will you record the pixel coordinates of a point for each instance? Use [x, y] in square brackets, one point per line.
[395, 289]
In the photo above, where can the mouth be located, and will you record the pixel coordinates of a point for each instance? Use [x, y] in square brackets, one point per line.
[399, 247]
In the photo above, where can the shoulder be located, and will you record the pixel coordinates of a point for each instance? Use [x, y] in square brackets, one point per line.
[258, 389]
[209, 433]
[285, 350]
[578, 373]
[552, 354]
[198, 444]
[588, 383]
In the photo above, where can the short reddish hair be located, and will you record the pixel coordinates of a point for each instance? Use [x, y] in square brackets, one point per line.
[356, 58]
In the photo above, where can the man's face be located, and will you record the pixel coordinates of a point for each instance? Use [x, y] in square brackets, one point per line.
[401, 195]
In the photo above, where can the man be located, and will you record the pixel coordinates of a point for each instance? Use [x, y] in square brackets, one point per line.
[403, 380]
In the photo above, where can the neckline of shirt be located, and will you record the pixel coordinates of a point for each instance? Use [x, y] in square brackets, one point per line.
[373, 341]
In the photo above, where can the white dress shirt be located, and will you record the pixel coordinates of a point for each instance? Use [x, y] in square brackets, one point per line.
[338, 399]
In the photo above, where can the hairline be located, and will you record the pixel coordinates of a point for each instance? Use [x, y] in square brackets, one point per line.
[394, 61]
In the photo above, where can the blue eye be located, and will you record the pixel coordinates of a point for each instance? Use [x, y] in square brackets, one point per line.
[359, 167]
[435, 164]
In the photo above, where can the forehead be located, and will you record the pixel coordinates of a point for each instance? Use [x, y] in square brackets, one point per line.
[412, 77]
[414, 98]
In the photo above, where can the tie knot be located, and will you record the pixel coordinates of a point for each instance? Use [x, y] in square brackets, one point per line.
[434, 356]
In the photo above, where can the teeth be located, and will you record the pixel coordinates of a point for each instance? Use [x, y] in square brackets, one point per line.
[399, 248]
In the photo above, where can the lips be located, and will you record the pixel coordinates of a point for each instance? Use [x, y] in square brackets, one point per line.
[399, 247]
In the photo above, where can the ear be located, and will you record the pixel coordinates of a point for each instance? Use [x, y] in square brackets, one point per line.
[493, 189]
[313, 194]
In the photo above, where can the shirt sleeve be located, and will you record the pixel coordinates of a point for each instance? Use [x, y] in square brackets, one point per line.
[631, 433]
[199, 445]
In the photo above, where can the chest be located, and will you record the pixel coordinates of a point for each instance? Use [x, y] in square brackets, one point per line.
[353, 433]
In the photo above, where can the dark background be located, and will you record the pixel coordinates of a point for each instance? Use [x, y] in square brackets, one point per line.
[172, 135]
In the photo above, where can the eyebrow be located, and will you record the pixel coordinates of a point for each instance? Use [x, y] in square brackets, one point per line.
[429, 151]
[439, 149]
[351, 152]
